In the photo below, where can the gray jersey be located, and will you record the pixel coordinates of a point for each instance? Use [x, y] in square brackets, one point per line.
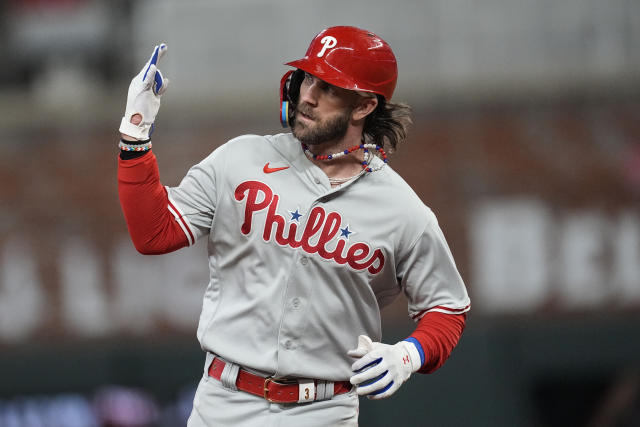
[297, 269]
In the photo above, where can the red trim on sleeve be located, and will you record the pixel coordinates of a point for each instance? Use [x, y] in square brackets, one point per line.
[438, 333]
[443, 308]
[152, 227]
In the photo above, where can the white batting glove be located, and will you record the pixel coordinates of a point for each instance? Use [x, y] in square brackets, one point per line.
[382, 368]
[144, 97]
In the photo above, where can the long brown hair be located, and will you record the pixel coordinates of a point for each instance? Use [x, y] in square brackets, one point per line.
[388, 124]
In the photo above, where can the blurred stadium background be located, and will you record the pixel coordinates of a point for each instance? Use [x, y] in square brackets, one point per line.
[526, 144]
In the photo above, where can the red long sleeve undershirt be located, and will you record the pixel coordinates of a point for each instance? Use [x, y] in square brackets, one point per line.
[438, 333]
[152, 227]
[154, 230]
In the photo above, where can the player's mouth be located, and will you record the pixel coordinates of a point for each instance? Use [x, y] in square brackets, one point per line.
[305, 115]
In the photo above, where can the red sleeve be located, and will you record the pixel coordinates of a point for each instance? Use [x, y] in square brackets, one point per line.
[152, 226]
[438, 333]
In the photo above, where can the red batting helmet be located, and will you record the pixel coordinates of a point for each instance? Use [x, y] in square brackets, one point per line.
[350, 58]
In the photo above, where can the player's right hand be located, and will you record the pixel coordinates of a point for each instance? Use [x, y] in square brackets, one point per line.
[143, 99]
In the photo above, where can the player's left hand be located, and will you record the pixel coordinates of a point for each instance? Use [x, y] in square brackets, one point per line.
[382, 368]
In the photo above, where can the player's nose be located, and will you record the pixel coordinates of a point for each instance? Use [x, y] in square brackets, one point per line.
[309, 94]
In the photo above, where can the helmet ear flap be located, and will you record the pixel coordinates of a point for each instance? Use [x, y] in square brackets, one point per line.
[289, 93]
[284, 98]
[294, 85]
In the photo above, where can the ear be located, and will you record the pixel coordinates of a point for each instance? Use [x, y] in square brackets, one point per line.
[365, 106]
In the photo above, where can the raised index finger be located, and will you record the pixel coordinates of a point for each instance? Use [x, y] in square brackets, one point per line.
[158, 52]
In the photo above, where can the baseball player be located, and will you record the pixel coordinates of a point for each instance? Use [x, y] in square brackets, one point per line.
[310, 234]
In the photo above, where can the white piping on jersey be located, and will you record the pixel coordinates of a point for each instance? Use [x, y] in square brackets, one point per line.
[182, 220]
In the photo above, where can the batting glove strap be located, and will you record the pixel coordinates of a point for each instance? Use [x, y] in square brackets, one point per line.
[143, 97]
[380, 371]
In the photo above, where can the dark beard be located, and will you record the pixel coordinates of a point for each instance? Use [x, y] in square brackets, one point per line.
[331, 130]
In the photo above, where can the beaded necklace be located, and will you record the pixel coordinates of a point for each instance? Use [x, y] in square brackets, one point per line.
[365, 162]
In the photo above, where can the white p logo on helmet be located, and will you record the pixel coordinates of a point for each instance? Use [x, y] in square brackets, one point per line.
[327, 43]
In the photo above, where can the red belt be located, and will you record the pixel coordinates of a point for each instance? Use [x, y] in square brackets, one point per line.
[273, 390]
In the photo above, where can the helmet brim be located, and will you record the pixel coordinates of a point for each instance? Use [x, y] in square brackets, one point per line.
[329, 74]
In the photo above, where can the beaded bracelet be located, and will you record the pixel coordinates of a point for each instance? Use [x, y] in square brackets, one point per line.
[135, 147]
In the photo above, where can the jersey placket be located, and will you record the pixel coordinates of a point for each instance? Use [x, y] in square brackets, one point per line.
[294, 312]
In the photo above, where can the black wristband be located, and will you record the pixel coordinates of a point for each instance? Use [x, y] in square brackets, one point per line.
[128, 155]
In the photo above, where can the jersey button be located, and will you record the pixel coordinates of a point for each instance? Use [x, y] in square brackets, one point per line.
[288, 344]
[304, 260]
[317, 180]
[295, 303]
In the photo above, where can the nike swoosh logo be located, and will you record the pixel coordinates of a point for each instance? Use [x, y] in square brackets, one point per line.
[267, 169]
